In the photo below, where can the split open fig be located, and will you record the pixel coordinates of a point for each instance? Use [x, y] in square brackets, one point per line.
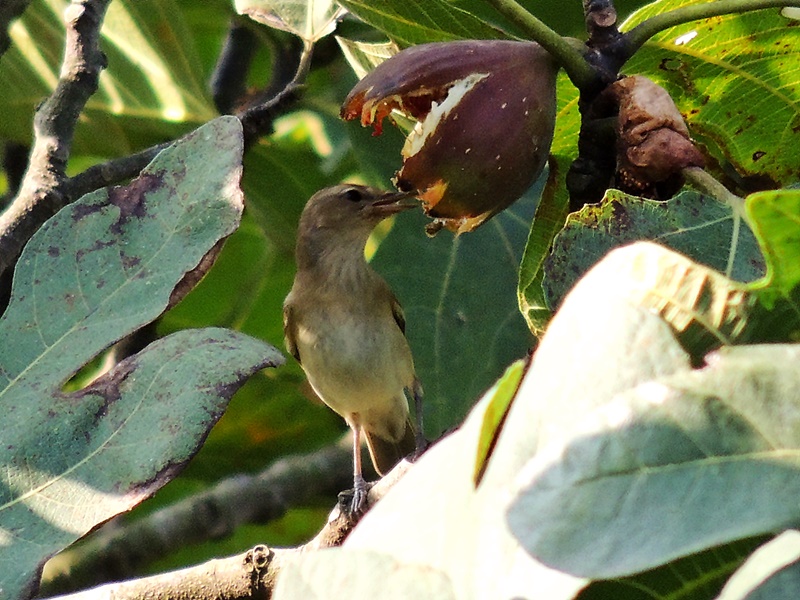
[485, 114]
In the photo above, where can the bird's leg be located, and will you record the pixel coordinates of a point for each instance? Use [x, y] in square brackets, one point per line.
[359, 485]
[419, 437]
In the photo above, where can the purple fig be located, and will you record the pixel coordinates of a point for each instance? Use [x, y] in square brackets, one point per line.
[485, 114]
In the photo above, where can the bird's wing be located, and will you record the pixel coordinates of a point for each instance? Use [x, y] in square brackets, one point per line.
[290, 331]
[399, 316]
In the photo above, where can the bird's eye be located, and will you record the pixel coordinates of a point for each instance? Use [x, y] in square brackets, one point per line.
[353, 195]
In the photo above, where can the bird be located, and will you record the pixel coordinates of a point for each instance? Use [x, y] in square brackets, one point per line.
[346, 328]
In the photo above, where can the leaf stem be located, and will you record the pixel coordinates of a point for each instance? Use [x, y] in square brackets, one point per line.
[706, 183]
[636, 37]
[564, 50]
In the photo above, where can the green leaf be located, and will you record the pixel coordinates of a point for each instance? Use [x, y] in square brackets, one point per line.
[695, 577]
[775, 224]
[771, 573]
[734, 80]
[775, 216]
[152, 89]
[310, 20]
[462, 319]
[363, 57]
[552, 209]
[410, 22]
[711, 453]
[695, 225]
[501, 396]
[98, 270]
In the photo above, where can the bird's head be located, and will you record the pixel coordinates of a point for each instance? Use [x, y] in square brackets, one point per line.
[339, 219]
[350, 207]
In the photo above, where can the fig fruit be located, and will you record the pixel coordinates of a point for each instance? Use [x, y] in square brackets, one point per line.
[485, 112]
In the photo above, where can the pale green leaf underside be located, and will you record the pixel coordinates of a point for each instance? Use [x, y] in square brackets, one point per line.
[771, 573]
[310, 20]
[713, 454]
[344, 573]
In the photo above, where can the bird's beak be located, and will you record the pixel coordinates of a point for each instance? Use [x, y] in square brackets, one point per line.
[391, 203]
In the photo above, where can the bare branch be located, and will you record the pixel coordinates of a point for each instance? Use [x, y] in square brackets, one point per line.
[254, 573]
[112, 172]
[42, 193]
[243, 576]
[228, 81]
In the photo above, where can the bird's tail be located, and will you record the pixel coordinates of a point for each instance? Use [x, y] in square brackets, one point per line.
[385, 453]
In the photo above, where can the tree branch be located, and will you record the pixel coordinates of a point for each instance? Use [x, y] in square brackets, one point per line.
[636, 37]
[247, 575]
[254, 573]
[111, 172]
[228, 81]
[258, 120]
[42, 193]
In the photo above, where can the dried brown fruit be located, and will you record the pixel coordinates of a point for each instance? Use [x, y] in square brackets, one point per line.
[653, 140]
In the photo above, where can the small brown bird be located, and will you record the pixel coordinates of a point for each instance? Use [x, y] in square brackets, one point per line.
[344, 325]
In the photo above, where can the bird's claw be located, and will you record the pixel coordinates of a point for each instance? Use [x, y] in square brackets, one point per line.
[360, 491]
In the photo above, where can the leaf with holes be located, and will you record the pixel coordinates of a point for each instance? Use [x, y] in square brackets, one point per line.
[699, 227]
[100, 269]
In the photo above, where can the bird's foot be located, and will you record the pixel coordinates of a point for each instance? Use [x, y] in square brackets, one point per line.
[358, 504]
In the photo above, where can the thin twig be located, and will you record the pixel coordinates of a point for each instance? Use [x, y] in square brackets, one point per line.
[636, 37]
[258, 120]
[111, 172]
[42, 194]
